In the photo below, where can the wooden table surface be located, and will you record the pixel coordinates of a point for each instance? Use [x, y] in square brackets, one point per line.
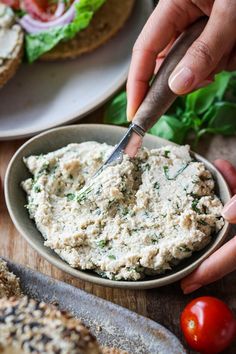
[163, 305]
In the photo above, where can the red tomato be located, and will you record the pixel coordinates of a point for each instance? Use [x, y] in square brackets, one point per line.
[37, 9]
[15, 4]
[208, 325]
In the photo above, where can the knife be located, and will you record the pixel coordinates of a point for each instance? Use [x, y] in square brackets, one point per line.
[158, 99]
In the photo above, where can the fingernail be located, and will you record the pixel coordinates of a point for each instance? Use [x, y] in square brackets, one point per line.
[129, 113]
[181, 80]
[229, 210]
[190, 288]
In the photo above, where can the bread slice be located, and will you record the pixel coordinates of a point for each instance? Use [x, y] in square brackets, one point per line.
[9, 66]
[108, 20]
[9, 283]
[12, 39]
[41, 328]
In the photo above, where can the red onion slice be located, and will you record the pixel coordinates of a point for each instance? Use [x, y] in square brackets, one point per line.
[32, 26]
[60, 9]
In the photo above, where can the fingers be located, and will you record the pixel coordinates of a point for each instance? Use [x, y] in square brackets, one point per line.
[169, 18]
[223, 261]
[206, 52]
[229, 211]
[231, 65]
[228, 171]
[220, 263]
[205, 6]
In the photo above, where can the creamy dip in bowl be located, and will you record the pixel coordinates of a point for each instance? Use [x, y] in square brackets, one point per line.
[134, 223]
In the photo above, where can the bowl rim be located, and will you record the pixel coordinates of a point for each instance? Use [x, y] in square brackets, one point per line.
[96, 279]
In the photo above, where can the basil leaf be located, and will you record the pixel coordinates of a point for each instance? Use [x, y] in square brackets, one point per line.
[170, 128]
[223, 118]
[177, 108]
[202, 99]
[200, 112]
[222, 81]
[116, 110]
[230, 93]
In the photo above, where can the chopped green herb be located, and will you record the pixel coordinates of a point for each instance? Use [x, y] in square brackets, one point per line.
[156, 185]
[98, 211]
[111, 256]
[102, 243]
[202, 222]
[102, 274]
[53, 169]
[37, 189]
[70, 196]
[146, 167]
[124, 211]
[99, 190]
[194, 206]
[131, 269]
[177, 206]
[82, 196]
[111, 202]
[166, 172]
[44, 169]
[195, 196]
[123, 184]
[20, 13]
[154, 238]
[166, 153]
[139, 269]
[71, 176]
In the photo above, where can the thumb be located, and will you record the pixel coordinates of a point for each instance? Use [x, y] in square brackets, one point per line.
[220, 263]
[206, 52]
[229, 211]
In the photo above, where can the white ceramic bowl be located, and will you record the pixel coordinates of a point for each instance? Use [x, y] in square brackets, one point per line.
[59, 137]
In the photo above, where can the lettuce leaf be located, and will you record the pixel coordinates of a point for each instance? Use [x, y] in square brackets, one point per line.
[209, 110]
[40, 43]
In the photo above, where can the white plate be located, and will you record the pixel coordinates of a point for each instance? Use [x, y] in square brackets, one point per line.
[45, 95]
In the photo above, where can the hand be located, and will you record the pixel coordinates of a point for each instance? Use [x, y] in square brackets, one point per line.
[213, 51]
[223, 261]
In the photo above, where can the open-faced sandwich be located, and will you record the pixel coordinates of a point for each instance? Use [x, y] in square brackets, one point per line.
[60, 29]
[11, 44]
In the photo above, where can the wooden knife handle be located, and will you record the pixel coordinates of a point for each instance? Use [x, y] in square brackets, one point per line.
[159, 97]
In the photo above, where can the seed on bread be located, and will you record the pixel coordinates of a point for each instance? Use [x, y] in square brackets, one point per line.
[9, 283]
[32, 327]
